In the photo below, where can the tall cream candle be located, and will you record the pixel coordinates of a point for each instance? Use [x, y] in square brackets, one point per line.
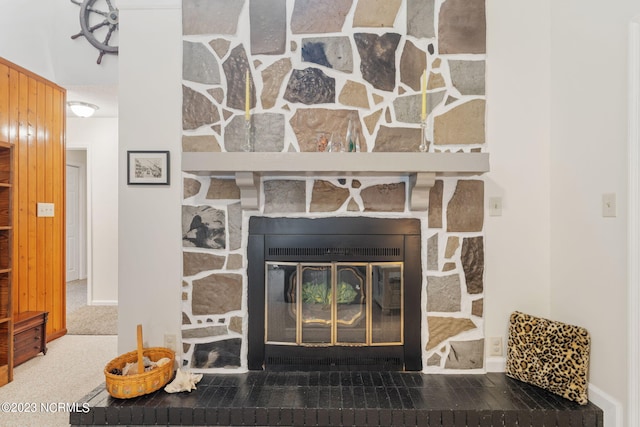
[423, 116]
[247, 97]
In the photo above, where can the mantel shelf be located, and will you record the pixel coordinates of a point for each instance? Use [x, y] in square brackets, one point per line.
[422, 168]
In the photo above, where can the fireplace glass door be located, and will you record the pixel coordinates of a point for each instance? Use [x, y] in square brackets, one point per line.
[334, 304]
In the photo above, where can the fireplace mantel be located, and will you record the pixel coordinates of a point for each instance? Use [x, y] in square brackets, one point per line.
[421, 168]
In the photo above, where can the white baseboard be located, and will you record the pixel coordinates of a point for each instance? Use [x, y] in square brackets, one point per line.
[612, 408]
[496, 364]
[103, 302]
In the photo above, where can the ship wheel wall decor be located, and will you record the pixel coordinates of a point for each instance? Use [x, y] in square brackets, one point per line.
[98, 23]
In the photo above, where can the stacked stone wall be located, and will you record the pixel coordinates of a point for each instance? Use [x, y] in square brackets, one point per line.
[315, 65]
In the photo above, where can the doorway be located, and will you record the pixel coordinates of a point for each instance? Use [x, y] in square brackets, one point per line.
[76, 229]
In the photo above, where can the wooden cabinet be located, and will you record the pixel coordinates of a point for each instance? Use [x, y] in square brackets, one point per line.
[6, 230]
[29, 335]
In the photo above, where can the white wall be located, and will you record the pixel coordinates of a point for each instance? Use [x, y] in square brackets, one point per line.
[26, 22]
[633, 232]
[517, 243]
[36, 35]
[74, 60]
[100, 138]
[589, 158]
[556, 127]
[150, 108]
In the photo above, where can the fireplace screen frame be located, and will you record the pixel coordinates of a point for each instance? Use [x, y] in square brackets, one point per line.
[353, 306]
[334, 240]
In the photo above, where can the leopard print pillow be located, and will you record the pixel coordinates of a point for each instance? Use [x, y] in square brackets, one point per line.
[550, 355]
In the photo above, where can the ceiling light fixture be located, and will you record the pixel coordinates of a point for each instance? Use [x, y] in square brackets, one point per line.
[82, 109]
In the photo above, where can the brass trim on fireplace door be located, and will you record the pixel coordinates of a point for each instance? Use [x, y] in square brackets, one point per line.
[266, 301]
[366, 288]
[299, 304]
[402, 292]
[369, 300]
[334, 303]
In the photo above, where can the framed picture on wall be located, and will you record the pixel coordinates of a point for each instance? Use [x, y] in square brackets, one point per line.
[148, 168]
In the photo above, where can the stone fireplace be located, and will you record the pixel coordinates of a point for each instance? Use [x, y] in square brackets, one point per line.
[217, 329]
[362, 62]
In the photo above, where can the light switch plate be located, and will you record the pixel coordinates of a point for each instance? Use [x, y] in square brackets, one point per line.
[609, 205]
[46, 209]
[495, 206]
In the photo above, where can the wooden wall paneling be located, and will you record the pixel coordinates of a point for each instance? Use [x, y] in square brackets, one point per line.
[58, 323]
[21, 199]
[48, 195]
[13, 111]
[4, 103]
[20, 202]
[62, 197]
[13, 76]
[32, 194]
[37, 120]
[37, 132]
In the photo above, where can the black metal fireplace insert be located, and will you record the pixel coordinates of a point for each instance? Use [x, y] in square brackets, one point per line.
[338, 293]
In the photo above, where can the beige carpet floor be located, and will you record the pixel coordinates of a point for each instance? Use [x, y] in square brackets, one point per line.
[83, 319]
[45, 387]
[72, 367]
[93, 320]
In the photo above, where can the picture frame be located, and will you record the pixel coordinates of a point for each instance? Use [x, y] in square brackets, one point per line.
[148, 168]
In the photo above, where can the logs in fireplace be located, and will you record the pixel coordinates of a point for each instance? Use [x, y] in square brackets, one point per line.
[334, 293]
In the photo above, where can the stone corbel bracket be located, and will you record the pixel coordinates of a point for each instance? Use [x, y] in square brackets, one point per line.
[249, 184]
[419, 185]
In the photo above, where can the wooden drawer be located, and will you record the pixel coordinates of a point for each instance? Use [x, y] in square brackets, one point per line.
[29, 335]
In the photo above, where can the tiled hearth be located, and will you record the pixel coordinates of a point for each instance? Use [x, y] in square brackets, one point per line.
[344, 399]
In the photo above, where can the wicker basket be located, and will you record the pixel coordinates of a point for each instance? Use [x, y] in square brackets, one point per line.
[128, 386]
